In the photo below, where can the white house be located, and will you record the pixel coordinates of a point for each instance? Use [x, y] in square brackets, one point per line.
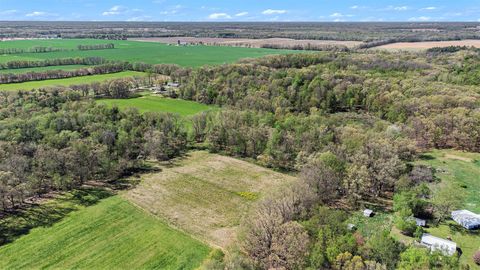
[467, 219]
[434, 243]
[368, 213]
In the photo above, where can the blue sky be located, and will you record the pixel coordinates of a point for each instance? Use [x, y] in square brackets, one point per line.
[241, 10]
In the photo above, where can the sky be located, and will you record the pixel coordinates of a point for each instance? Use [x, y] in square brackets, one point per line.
[240, 10]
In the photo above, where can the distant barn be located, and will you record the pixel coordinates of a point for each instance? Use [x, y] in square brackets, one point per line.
[420, 222]
[467, 219]
[368, 213]
[434, 243]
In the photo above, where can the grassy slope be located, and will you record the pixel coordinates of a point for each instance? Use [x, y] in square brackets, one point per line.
[148, 52]
[39, 69]
[68, 81]
[205, 194]
[151, 103]
[459, 168]
[113, 234]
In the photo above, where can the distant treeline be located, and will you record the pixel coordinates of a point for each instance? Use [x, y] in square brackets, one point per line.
[307, 47]
[62, 74]
[37, 49]
[42, 49]
[96, 47]
[91, 61]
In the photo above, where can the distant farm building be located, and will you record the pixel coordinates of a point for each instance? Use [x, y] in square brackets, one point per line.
[172, 84]
[434, 243]
[368, 213]
[420, 222]
[467, 219]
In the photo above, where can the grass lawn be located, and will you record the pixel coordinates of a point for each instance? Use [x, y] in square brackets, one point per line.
[368, 226]
[40, 69]
[206, 194]
[459, 168]
[152, 103]
[113, 234]
[135, 51]
[469, 242]
[68, 81]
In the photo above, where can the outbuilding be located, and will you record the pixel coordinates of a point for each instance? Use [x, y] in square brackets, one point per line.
[420, 222]
[368, 213]
[434, 243]
[467, 219]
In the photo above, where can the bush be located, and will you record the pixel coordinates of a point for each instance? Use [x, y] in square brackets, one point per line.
[476, 257]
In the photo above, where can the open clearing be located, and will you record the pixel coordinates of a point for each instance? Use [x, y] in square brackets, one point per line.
[255, 43]
[69, 81]
[459, 168]
[135, 51]
[205, 194]
[113, 234]
[152, 103]
[429, 44]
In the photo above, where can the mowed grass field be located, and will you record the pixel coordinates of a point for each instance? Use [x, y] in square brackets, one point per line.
[113, 234]
[153, 103]
[135, 51]
[68, 81]
[458, 168]
[206, 195]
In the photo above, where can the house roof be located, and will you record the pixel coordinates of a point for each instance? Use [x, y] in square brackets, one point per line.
[437, 243]
[467, 219]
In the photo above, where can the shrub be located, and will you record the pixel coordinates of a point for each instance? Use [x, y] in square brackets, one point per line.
[476, 257]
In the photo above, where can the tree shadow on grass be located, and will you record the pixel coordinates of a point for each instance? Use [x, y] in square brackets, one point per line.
[17, 222]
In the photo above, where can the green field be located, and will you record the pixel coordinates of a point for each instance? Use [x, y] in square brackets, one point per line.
[151, 103]
[68, 81]
[459, 168]
[113, 234]
[206, 195]
[135, 51]
[40, 69]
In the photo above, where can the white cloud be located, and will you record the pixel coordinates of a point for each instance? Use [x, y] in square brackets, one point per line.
[140, 19]
[420, 19]
[241, 14]
[340, 15]
[402, 8]
[40, 14]
[218, 16]
[274, 11]
[8, 12]
[355, 7]
[115, 10]
[428, 8]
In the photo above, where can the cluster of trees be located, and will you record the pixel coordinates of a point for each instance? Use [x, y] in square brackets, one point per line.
[404, 91]
[37, 49]
[96, 47]
[60, 74]
[307, 47]
[90, 61]
[52, 141]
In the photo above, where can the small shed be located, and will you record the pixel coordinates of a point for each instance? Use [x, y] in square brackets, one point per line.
[172, 84]
[420, 222]
[467, 219]
[351, 227]
[434, 243]
[368, 213]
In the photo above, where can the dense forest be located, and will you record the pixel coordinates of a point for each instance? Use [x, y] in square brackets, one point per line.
[348, 123]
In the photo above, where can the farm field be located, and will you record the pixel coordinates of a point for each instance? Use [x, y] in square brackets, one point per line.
[113, 234]
[68, 81]
[205, 194]
[459, 168]
[152, 103]
[255, 43]
[135, 51]
[40, 69]
[429, 44]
